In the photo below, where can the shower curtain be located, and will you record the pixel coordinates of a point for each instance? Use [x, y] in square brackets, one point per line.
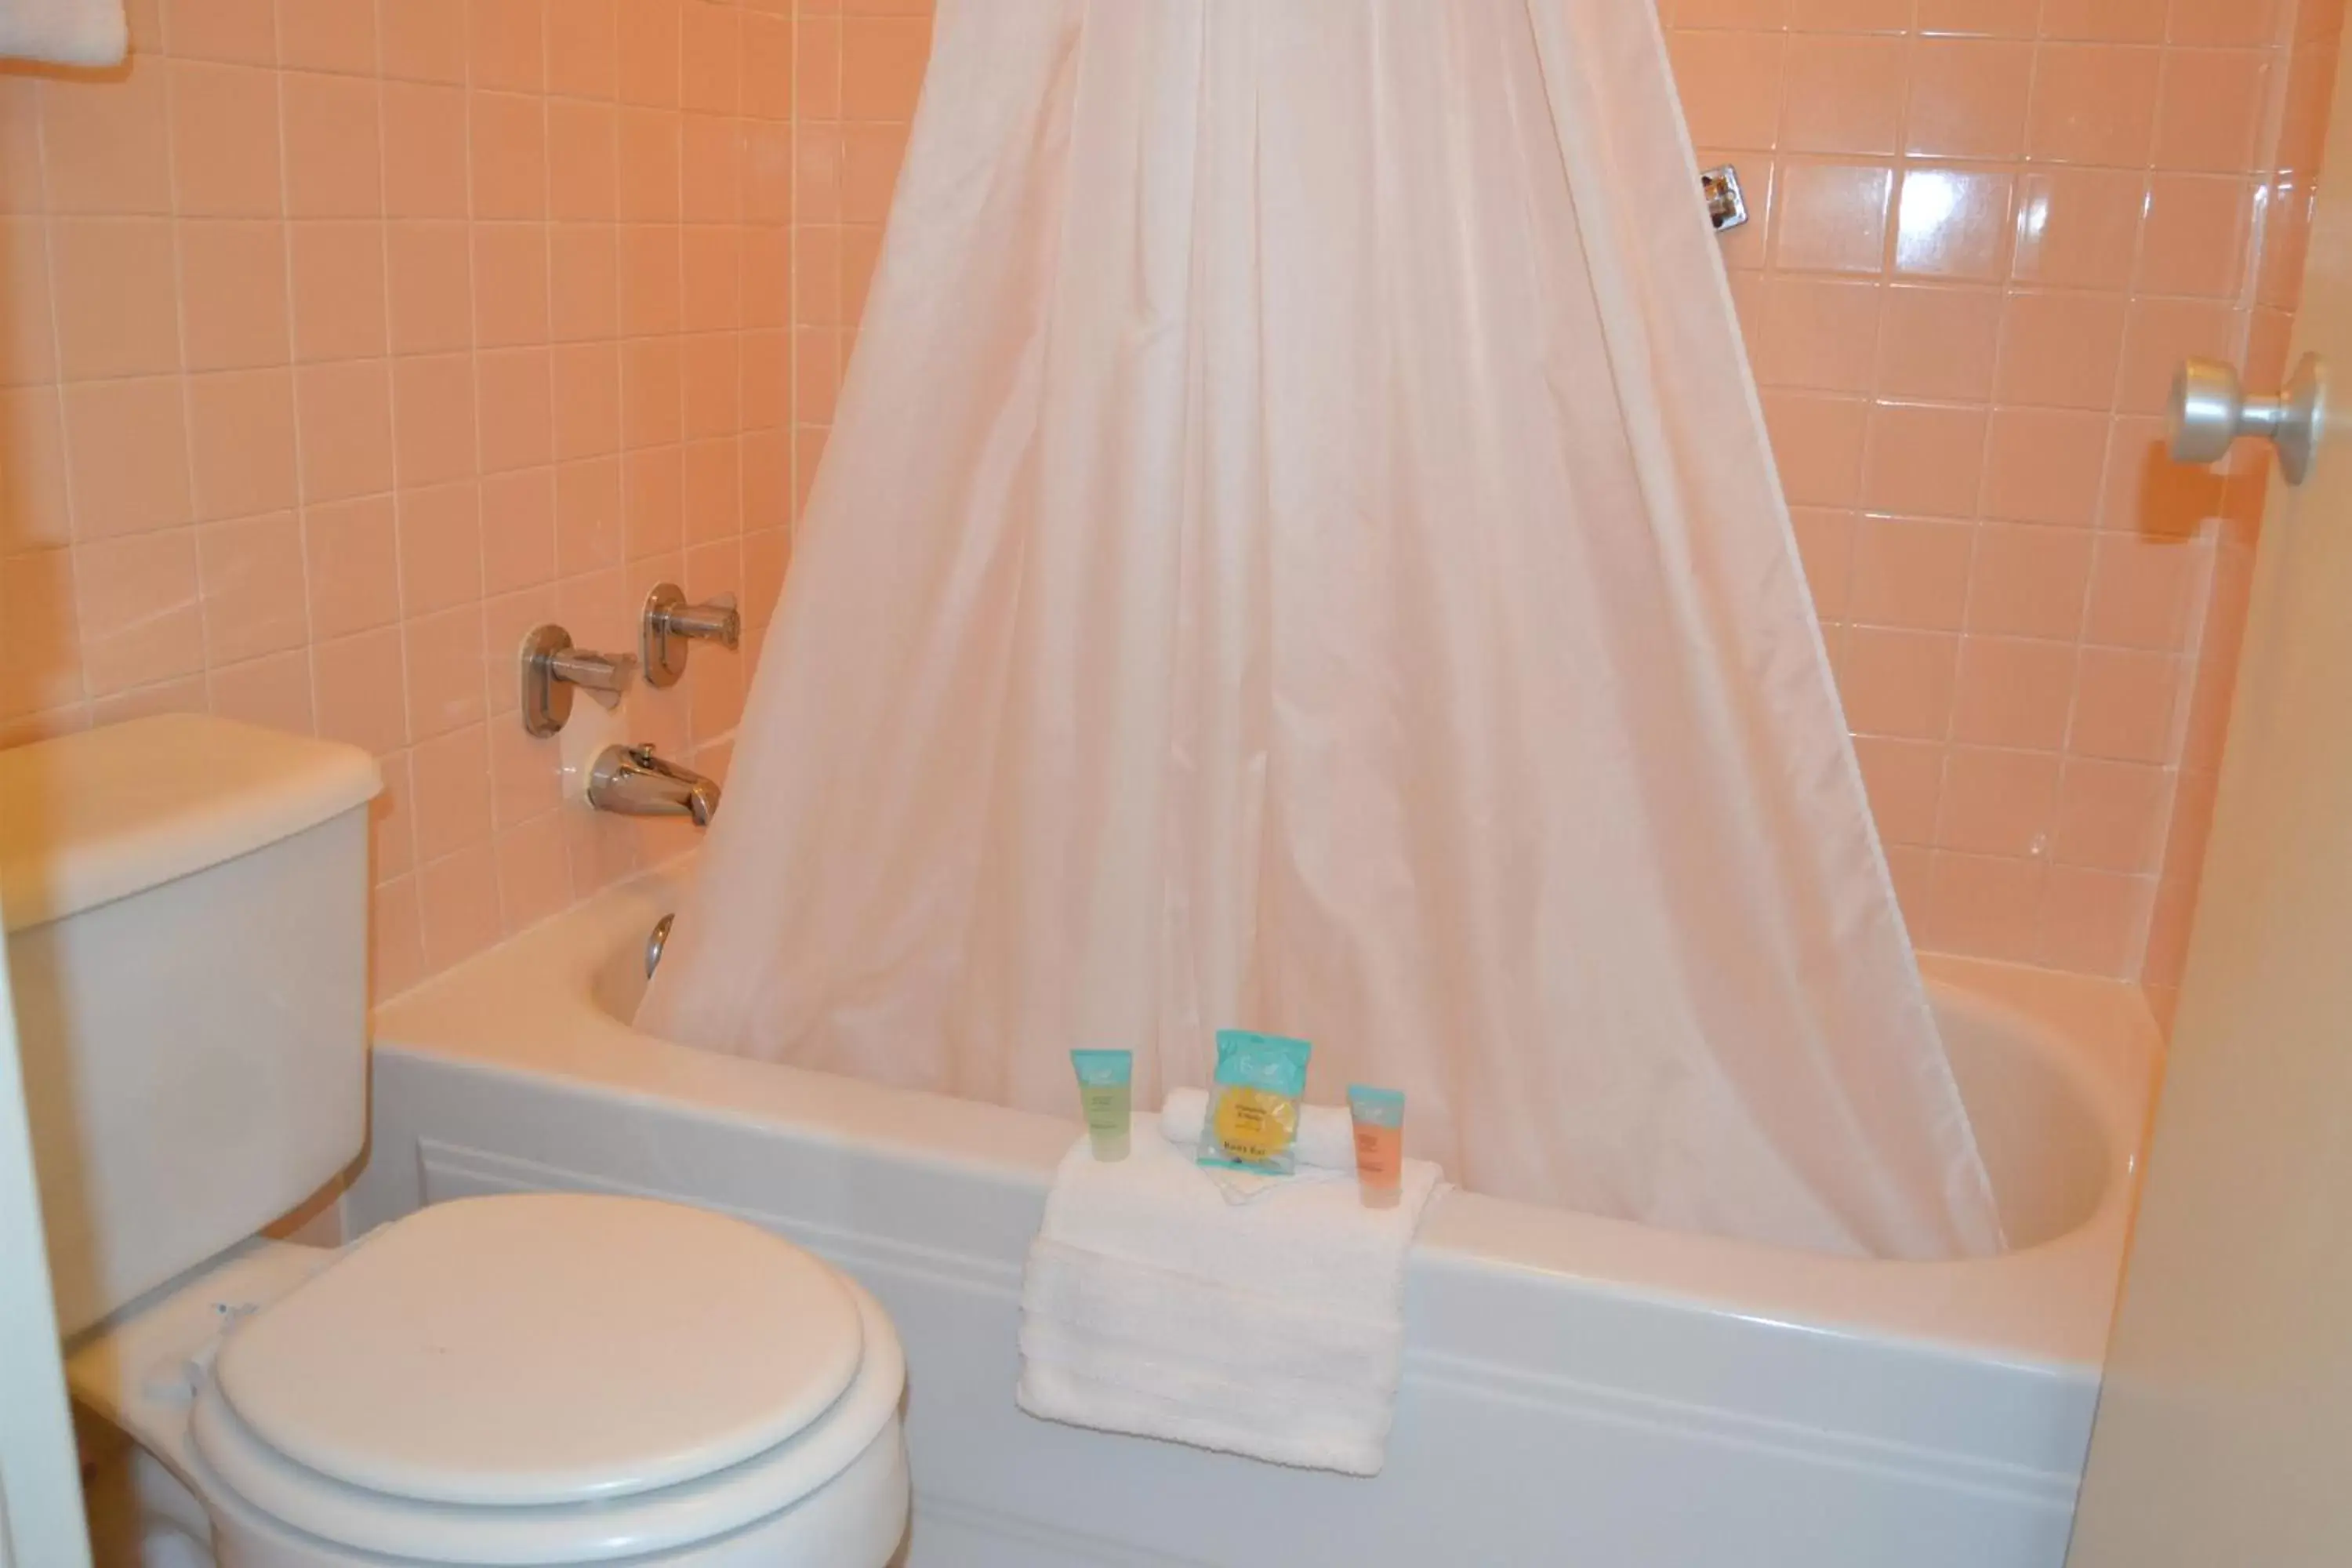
[1298, 551]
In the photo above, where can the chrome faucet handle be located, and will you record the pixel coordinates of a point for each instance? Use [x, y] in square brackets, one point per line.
[552, 669]
[670, 623]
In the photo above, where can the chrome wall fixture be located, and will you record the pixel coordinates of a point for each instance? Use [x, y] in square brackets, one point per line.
[552, 669]
[1727, 204]
[2211, 411]
[670, 624]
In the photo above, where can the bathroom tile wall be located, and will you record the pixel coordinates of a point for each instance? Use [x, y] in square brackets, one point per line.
[342, 341]
[1986, 233]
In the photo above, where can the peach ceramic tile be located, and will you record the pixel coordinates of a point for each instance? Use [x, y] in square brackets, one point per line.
[766, 91]
[396, 938]
[2079, 228]
[339, 289]
[1954, 223]
[509, 153]
[511, 304]
[534, 872]
[2126, 705]
[233, 294]
[587, 417]
[2159, 335]
[882, 61]
[1906, 781]
[1984, 905]
[524, 779]
[140, 611]
[1849, 15]
[1831, 217]
[116, 310]
[1998, 802]
[104, 419]
[243, 30]
[335, 150]
[34, 510]
[2028, 580]
[2094, 921]
[709, 58]
[440, 548]
[2013, 692]
[2061, 350]
[446, 671]
[433, 414]
[458, 900]
[425, 155]
[225, 142]
[649, 281]
[581, 55]
[425, 41]
[41, 646]
[2147, 493]
[517, 530]
[2147, 593]
[27, 339]
[2197, 238]
[1815, 333]
[430, 268]
[2104, 21]
[648, 38]
[2044, 465]
[1923, 459]
[583, 282]
[251, 577]
[343, 415]
[1939, 344]
[1818, 442]
[351, 556]
[20, 146]
[106, 144]
[710, 169]
[2211, 109]
[328, 35]
[452, 786]
[1968, 98]
[652, 411]
[587, 516]
[506, 45]
[651, 497]
[2095, 103]
[1899, 683]
[2112, 815]
[1910, 572]
[581, 152]
[273, 691]
[516, 417]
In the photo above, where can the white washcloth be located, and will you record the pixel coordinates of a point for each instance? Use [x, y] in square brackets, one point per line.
[1327, 1134]
[1151, 1306]
[64, 32]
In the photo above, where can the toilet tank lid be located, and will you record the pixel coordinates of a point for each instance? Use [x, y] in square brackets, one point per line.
[90, 818]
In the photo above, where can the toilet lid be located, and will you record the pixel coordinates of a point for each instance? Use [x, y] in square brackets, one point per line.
[544, 1349]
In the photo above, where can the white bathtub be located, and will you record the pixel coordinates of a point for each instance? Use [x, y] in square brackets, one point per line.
[1576, 1390]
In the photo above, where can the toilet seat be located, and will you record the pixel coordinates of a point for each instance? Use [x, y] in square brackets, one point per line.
[273, 1427]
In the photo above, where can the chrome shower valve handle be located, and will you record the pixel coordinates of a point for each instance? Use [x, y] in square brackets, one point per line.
[671, 624]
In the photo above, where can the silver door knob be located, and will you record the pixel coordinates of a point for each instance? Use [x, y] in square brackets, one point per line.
[2211, 410]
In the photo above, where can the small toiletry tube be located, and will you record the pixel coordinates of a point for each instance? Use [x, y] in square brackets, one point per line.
[1379, 1116]
[1107, 1095]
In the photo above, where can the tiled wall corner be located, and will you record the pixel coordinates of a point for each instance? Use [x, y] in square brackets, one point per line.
[342, 341]
[1988, 231]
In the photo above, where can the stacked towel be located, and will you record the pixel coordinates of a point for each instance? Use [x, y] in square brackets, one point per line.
[64, 32]
[1151, 1306]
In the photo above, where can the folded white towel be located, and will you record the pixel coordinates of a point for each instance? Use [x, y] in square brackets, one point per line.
[64, 32]
[1327, 1134]
[1151, 1306]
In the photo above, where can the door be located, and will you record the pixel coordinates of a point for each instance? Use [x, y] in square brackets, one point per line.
[40, 1479]
[2224, 1433]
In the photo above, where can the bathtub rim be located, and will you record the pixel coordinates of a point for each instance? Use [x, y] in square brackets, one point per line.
[524, 1007]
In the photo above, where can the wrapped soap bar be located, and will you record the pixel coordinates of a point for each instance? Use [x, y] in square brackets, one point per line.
[1252, 1122]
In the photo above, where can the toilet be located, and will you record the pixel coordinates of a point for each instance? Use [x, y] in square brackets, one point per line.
[531, 1378]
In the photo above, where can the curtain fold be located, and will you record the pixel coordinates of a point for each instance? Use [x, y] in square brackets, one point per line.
[1299, 549]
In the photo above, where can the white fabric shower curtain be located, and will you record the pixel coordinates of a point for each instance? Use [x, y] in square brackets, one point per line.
[1299, 549]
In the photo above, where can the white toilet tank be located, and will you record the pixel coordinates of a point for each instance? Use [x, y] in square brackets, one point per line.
[185, 903]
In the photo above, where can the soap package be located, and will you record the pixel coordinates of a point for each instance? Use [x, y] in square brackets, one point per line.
[1252, 1122]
